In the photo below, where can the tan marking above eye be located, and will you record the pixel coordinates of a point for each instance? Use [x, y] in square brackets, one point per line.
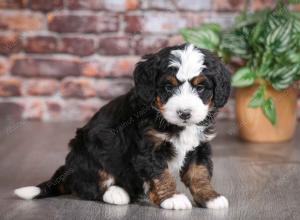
[173, 80]
[197, 80]
[159, 104]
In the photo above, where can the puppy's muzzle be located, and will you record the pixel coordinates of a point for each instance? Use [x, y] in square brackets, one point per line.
[184, 114]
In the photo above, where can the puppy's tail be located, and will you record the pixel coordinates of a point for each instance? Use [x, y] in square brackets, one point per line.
[54, 187]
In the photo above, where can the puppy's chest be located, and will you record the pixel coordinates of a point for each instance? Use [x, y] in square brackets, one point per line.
[185, 141]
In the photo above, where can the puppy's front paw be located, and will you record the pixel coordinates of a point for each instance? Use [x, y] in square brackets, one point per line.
[177, 202]
[116, 195]
[219, 202]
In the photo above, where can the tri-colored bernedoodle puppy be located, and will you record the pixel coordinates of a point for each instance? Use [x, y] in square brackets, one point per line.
[134, 145]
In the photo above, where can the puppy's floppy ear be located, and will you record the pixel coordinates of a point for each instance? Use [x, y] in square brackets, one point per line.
[222, 81]
[145, 74]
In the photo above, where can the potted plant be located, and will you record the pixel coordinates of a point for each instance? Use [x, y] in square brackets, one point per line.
[268, 43]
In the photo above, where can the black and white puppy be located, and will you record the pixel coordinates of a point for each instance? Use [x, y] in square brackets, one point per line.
[135, 144]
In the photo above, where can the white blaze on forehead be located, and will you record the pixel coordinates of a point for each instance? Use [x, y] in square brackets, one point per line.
[190, 62]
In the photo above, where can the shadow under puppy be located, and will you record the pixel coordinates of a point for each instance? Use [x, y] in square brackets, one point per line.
[136, 143]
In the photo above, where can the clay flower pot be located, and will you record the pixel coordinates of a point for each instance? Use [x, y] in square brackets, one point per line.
[253, 124]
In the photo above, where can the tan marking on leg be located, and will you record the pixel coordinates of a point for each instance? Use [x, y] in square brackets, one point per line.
[197, 179]
[61, 189]
[162, 187]
[105, 180]
[156, 137]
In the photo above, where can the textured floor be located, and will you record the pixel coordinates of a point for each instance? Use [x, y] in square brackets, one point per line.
[260, 181]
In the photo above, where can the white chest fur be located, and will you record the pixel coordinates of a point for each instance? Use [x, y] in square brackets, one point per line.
[186, 141]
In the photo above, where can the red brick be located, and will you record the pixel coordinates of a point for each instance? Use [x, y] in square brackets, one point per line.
[41, 87]
[124, 66]
[132, 4]
[115, 45]
[193, 5]
[34, 109]
[89, 108]
[228, 5]
[150, 44]
[163, 22]
[262, 4]
[40, 44]
[22, 21]
[81, 46]
[9, 43]
[4, 66]
[160, 22]
[77, 88]
[175, 40]
[158, 4]
[11, 110]
[65, 23]
[13, 4]
[54, 110]
[97, 68]
[192, 19]
[109, 67]
[85, 4]
[226, 20]
[77, 110]
[133, 23]
[10, 87]
[111, 88]
[46, 5]
[121, 5]
[57, 68]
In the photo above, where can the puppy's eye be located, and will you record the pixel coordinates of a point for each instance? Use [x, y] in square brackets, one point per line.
[200, 88]
[168, 88]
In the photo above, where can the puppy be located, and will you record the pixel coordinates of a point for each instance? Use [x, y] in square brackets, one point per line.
[135, 144]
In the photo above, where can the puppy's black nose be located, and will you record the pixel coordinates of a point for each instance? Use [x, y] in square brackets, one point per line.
[184, 114]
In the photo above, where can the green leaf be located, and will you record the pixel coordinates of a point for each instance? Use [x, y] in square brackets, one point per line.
[270, 110]
[294, 57]
[258, 98]
[212, 26]
[297, 23]
[257, 32]
[243, 77]
[283, 77]
[207, 36]
[235, 44]
[293, 1]
[279, 40]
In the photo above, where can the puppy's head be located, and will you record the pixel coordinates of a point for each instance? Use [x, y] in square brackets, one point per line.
[183, 83]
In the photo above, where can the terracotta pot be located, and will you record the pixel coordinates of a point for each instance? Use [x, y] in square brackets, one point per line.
[253, 124]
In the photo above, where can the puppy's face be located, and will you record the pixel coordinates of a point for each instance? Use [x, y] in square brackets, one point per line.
[182, 83]
[184, 102]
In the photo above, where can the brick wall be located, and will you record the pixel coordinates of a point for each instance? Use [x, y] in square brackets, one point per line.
[63, 59]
